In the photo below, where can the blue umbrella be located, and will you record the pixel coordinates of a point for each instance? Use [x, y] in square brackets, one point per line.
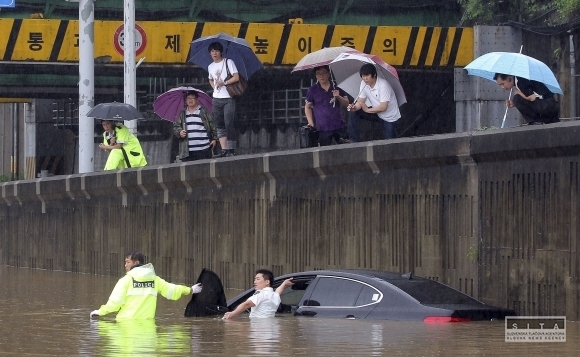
[515, 64]
[235, 48]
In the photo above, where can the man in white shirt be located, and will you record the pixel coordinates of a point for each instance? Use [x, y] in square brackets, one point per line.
[224, 106]
[376, 102]
[265, 301]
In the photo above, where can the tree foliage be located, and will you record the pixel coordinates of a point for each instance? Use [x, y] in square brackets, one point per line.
[487, 12]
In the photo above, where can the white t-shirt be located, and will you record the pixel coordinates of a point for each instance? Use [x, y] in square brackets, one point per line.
[266, 301]
[381, 92]
[217, 71]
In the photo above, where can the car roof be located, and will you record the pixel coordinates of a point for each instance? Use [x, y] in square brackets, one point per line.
[425, 291]
[383, 275]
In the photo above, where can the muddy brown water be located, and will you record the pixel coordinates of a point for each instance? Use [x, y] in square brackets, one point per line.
[46, 313]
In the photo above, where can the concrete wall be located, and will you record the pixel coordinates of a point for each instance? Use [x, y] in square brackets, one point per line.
[492, 213]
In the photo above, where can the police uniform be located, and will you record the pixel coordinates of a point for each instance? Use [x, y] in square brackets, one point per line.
[135, 295]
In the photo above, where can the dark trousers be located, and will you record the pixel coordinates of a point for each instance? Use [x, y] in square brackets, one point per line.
[325, 137]
[198, 155]
[540, 110]
[224, 111]
[389, 128]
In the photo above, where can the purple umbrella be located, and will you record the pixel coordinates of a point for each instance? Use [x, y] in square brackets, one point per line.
[169, 104]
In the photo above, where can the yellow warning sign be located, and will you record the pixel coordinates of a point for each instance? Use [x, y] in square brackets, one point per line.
[302, 40]
[265, 40]
[274, 44]
[35, 40]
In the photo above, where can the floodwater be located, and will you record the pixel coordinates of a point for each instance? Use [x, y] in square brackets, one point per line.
[46, 313]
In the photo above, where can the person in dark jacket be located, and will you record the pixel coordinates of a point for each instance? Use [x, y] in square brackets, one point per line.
[195, 130]
[533, 99]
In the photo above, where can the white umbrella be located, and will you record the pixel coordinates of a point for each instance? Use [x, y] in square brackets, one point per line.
[320, 58]
[346, 69]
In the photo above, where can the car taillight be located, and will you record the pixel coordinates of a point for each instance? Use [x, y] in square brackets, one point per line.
[443, 319]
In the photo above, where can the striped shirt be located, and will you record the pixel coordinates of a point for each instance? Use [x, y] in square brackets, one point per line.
[197, 136]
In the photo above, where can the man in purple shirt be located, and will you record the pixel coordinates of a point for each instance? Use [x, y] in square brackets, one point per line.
[323, 101]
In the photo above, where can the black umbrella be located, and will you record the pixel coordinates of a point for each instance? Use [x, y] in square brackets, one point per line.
[115, 111]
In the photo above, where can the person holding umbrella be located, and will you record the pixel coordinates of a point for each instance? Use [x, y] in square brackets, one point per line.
[224, 106]
[124, 148]
[533, 80]
[195, 130]
[376, 102]
[533, 99]
[323, 101]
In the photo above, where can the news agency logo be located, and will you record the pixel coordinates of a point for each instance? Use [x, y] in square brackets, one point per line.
[535, 329]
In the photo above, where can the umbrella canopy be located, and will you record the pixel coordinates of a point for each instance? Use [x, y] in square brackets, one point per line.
[515, 64]
[320, 58]
[346, 68]
[169, 104]
[115, 111]
[235, 48]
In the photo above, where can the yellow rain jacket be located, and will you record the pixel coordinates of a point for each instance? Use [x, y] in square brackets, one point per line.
[135, 295]
[130, 155]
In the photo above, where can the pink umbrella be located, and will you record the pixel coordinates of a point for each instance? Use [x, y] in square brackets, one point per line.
[169, 104]
[346, 68]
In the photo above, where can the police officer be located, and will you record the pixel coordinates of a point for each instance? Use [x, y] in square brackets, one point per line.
[135, 294]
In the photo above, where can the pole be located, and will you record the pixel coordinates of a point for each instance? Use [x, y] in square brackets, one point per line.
[86, 85]
[14, 163]
[130, 89]
[572, 95]
[509, 98]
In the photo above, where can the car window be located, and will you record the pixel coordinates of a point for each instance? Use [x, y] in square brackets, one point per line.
[333, 291]
[291, 296]
[368, 295]
[431, 292]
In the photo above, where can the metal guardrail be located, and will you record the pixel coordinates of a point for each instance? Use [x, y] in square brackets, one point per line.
[273, 107]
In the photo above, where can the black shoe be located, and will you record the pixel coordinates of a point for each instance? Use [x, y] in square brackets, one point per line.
[230, 152]
[344, 141]
[535, 123]
[223, 153]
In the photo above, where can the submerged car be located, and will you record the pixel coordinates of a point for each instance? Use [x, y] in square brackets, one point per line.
[370, 294]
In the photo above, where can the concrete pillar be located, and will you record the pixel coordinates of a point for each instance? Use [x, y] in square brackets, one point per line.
[130, 90]
[86, 85]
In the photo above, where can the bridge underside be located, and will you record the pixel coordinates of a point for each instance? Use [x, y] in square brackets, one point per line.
[373, 12]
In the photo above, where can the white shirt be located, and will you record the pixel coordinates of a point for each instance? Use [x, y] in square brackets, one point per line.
[380, 93]
[217, 70]
[266, 301]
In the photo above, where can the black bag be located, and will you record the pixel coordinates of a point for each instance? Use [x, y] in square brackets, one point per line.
[238, 88]
[308, 137]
